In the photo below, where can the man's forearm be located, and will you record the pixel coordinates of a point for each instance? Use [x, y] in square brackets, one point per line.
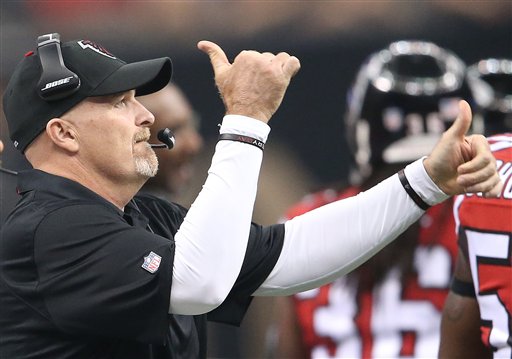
[332, 240]
[218, 223]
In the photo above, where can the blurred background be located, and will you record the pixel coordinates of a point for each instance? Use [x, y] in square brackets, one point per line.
[306, 148]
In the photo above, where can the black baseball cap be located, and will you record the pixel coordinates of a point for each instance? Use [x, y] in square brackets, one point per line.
[92, 70]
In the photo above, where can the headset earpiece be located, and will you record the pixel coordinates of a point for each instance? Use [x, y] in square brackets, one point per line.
[56, 81]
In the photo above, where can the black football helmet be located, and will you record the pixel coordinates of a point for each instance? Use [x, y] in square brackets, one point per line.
[403, 98]
[490, 81]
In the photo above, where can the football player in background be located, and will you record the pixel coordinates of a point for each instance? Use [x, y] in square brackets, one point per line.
[173, 110]
[403, 98]
[477, 317]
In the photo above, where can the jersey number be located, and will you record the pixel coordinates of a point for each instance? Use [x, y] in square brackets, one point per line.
[491, 268]
[384, 323]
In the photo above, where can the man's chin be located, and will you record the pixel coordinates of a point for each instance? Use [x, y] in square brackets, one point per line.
[146, 167]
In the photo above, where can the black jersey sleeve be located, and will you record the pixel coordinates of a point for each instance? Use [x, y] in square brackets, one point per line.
[100, 276]
[263, 250]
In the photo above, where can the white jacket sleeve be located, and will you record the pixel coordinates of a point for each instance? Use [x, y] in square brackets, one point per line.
[332, 240]
[218, 222]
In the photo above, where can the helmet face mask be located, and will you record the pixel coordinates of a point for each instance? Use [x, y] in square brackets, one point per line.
[415, 68]
[490, 81]
[403, 99]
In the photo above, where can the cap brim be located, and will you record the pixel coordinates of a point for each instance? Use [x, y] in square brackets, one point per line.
[144, 77]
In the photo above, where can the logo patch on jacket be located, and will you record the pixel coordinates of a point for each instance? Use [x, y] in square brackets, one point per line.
[152, 262]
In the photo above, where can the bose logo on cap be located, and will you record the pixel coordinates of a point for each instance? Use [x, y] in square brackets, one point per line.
[52, 84]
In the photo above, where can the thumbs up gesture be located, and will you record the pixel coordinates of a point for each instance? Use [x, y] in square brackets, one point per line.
[255, 83]
[463, 164]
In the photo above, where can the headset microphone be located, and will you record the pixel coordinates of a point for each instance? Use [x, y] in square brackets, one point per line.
[166, 137]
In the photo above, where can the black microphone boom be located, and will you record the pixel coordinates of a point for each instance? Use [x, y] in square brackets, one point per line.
[10, 172]
[165, 135]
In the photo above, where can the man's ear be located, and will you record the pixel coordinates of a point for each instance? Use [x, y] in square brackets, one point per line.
[63, 134]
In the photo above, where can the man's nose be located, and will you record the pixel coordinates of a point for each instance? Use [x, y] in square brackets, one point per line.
[144, 117]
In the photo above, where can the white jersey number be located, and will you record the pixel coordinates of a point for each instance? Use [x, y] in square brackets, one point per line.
[491, 269]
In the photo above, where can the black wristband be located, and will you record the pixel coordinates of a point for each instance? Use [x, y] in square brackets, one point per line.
[461, 288]
[241, 138]
[414, 196]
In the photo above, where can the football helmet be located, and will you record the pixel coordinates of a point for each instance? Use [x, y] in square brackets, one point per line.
[403, 98]
[490, 81]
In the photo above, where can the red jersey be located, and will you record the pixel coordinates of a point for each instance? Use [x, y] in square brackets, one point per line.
[485, 236]
[395, 317]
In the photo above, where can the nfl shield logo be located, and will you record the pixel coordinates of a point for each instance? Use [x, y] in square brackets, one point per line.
[152, 262]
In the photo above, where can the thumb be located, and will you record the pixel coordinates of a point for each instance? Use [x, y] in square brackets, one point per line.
[292, 66]
[217, 56]
[463, 121]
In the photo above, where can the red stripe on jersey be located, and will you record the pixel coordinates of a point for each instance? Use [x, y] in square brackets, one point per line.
[364, 322]
[486, 333]
[305, 311]
[408, 343]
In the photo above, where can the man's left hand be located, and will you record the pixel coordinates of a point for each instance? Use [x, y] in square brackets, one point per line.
[463, 164]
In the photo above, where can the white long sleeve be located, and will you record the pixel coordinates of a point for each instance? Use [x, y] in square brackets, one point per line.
[332, 240]
[218, 222]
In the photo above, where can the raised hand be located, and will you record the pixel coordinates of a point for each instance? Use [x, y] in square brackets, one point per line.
[463, 164]
[255, 83]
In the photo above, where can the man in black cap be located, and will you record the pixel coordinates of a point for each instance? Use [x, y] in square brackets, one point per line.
[89, 269]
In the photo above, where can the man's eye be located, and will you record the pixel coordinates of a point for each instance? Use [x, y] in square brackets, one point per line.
[121, 103]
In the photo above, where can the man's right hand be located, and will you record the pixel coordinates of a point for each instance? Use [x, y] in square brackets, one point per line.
[1, 147]
[255, 83]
